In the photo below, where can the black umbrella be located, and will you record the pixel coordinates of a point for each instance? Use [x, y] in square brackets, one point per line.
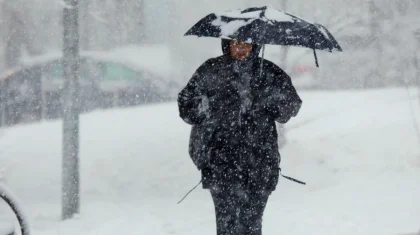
[266, 25]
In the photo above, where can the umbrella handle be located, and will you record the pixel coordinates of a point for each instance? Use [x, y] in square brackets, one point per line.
[262, 61]
[316, 58]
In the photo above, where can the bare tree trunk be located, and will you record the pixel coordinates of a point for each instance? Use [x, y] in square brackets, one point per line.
[120, 11]
[70, 178]
[374, 37]
[85, 23]
[14, 39]
[139, 23]
[417, 62]
[284, 49]
[416, 57]
[402, 6]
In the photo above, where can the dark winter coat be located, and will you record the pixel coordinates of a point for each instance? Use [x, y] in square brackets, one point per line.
[232, 110]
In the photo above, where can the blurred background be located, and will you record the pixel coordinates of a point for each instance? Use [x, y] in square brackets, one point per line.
[122, 39]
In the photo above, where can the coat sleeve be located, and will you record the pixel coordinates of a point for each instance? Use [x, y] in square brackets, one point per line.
[192, 102]
[282, 101]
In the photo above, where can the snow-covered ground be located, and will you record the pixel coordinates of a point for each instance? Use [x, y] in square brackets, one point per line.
[357, 150]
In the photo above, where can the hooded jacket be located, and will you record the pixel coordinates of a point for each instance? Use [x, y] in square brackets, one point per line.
[232, 110]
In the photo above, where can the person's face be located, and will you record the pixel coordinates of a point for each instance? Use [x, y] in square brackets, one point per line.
[240, 50]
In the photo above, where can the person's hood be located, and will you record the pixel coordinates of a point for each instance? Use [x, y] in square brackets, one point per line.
[254, 53]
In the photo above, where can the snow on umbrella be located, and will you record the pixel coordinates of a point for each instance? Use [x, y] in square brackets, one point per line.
[265, 25]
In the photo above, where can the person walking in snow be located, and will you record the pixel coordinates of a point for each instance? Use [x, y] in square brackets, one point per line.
[232, 108]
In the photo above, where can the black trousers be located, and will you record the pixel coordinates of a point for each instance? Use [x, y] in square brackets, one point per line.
[239, 212]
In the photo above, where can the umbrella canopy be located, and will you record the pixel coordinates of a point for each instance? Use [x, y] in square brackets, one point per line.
[265, 25]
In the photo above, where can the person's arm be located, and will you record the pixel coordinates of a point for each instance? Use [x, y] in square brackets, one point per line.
[192, 103]
[280, 99]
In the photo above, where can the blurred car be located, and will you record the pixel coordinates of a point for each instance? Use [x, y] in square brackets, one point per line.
[35, 91]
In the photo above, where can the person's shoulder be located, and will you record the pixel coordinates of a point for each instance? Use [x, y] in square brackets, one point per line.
[208, 66]
[272, 67]
[274, 70]
[211, 62]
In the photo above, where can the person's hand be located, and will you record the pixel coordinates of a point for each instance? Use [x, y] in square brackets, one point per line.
[203, 106]
[269, 98]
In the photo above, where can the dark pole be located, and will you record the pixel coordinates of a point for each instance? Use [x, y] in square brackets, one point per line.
[70, 167]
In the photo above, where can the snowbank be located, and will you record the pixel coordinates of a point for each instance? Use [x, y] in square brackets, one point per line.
[156, 59]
